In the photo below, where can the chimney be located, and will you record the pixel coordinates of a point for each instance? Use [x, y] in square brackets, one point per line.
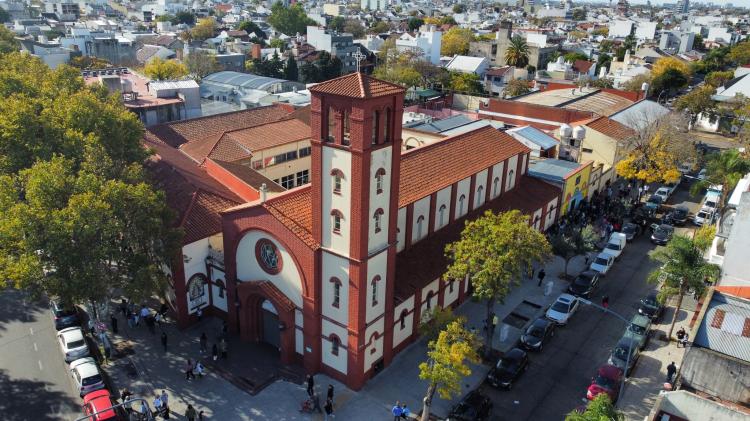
[255, 52]
[263, 193]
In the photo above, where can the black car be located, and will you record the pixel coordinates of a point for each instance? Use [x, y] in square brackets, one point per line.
[650, 306]
[584, 284]
[630, 230]
[536, 334]
[680, 215]
[65, 316]
[662, 234]
[508, 368]
[473, 407]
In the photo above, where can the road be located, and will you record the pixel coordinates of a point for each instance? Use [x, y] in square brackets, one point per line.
[557, 378]
[33, 381]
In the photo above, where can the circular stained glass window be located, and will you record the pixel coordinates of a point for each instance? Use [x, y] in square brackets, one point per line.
[268, 256]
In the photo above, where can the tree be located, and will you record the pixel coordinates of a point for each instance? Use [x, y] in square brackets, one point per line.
[310, 73]
[459, 8]
[494, 251]
[740, 53]
[330, 66]
[8, 43]
[696, 102]
[165, 18]
[435, 321]
[446, 364]
[290, 20]
[604, 60]
[579, 14]
[724, 169]
[516, 87]
[354, 27]
[379, 27]
[277, 43]
[456, 41]
[683, 268]
[251, 28]
[698, 42]
[205, 29]
[572, 57]
[715, 59]
[517, 53]
[337, 23]
[670, 81]
[159, 69]
[201, 63]
[571, 242]
[635, 84]
[415, 23]
[89, 62]
[466, 83]
[273, 67]
[185, 17]
[665, 64]
[290, 69]
[719, 78]
[600, 409]
[603, 82]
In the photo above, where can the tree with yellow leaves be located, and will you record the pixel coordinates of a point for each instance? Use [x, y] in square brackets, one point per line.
[159, 69]
[665, 63]
[447, 362]
[456, 41]
[205, 29]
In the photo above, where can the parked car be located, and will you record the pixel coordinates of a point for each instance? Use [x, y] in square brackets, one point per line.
[672, 186]
[616, 244]
[508, 368]
[630, 230]
[663, 193]
[602, 262]
[654, 202]
[65, 316]
[651, 307]
[562, 309]
[679, 215]
[704, 216]
[473, 407]
[537, 333]
[86, 376]
[584, 284]
[97, 406]
[661, 234]
[72, 343]
[639, 329]
[619, 355]
[607, 380]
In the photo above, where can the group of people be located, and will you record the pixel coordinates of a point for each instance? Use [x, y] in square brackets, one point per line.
[312, 403]
[682, 337]
[400, 411]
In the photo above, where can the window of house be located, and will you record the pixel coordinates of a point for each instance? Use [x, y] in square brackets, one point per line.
[337, 217]
[578, 180]
[374, 297]
[257, 164]
[375, 126]
[379, 180]
[331, 133]
[387, 126]
[420, 222]
[337, 177]
[347, 127]
[495, 186]
[336, 292]
[461, 201]
[511, 180]
[335, 344]
[429, 300]
[402, 319]
[305, 151]
[303, 177]
[587, 150]
[281, 158]
[480, 192]
[378, 218]
[441, 215]
[450, 286]
[287, 181]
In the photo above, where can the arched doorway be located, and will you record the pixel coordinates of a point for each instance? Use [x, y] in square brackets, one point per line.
[270, 324]
[267, 315]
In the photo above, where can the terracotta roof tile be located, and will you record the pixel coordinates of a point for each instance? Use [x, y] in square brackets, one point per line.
[294, 210]
[582, 66]
[430, 168]
[530, 111]
[203, 218]
[357, 85]
[227, 150]
[611, 128]
[269, 135]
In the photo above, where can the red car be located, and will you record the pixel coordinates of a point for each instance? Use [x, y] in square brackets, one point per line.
[607, 380]
[97, 406]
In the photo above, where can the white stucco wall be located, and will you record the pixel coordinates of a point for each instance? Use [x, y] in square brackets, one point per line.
[463, 188]
[421, 208]
[497, 172]
[376, 266]
[196, 253]
[374, 350]
[480, 181]
[433, 302]
[337, 362]
[451, 296]
[551, 213]
[336, 159]
[443, 198]
[288, 281]
[338, 267]
[380, 158]
[524, 164]
[512, 166]
[401, 233]
[399, 335]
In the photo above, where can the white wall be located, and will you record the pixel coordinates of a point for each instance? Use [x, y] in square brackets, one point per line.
[288, 281]
[380, 158]
[443, 198]
[497, 171]
[463, 188]
[448, 296]
[401, 234]
[376, 266]
[374, 350]
[551, 213]
[480, 181]
[338, 267]
[421, 208]
[400, 334]
[431, 287]
[337, 362]
[510, 182]
[299, 339]
[341, 160]
[196, 253]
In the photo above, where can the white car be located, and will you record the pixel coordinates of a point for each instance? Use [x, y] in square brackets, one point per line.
[704, 216]
[86, 376]
[561, 311]
[702, 174]
[602, 262]
[616, 244]
[663, 192]
[72, 343]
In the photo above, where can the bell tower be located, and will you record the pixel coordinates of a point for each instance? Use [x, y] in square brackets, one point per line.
[356, 149]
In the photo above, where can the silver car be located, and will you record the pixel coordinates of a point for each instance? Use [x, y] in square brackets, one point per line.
[72, 343]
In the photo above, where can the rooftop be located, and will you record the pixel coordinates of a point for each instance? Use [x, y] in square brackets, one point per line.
[553, 169]
[243, 80]
[611, 128]
[139, 85]
[357, 85]
[725, 328]
[535, 135]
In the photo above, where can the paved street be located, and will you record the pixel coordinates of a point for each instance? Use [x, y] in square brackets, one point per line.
[33, 380]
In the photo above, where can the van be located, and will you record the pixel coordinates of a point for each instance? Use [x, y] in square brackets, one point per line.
[616, 244]
[711, 200]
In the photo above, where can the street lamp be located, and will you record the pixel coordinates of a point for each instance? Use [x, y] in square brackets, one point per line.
[630, 342]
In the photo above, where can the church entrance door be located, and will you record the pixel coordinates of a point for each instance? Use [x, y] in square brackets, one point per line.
[270, 317]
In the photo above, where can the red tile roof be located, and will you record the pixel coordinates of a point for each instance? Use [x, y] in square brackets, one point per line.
[357, 85]
[269, 135]
[249, 176]
[294, 210]
[424, 262]
[582, 66]
[430, 168]
[534, 111]
[498, 71]
[611, 128]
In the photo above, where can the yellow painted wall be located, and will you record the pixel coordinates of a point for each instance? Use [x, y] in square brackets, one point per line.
[604, 149]
[577, 181]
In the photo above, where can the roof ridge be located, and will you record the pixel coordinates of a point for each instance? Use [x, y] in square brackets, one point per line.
[179, 122]
[361, 81]
[443, 141]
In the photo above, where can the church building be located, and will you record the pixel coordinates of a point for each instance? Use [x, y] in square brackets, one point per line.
[339, 272]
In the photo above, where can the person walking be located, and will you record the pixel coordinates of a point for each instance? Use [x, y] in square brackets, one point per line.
[329, 409]
[164, 340]
[204, 342]
[145, 312]
[680, 336]
[316, 403]
[215, 352]
[189, 375]
[671, 370]
[113, 321]
[157, 404]
[199, 369]
[405, 411]
[190, 413]
[223, 347]
[150, 323]
[124, 307]
[541, 276]
[164, 398]
[329, 395]
[396, 411]
[310, 385]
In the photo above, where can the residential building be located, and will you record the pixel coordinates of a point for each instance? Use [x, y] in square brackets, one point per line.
[683, 405]
[732, 237]
[339, 45]
[468, 64]
[332, 9]
[571, 178]
[496, 78]
[676, 41]
[542, 145]
[494, 50]
[245, 90]
[606, 143]
[65, 10]
[682, 6]
[118, 50]
[427, 41]
[372, 5]
[52, 54]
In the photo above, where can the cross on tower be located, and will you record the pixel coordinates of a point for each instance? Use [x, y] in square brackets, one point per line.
[358, 56]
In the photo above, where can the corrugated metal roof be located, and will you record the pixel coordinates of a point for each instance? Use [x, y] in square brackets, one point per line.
[727, 318]
[173, 84]
[640, 115]
[439, 126]
[535, 135]
[552, 168]
[245, 80]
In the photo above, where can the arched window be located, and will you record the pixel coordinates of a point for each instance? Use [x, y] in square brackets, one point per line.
[429, 299]
[551, 212]
[337, 216]
[195, 286]
[331, 117]
[336, 292]
[379, 175]
[387, 125]
[479, 200]
[378, 217]
[375, 126]
[441, 215]
[420, 222]
[347, 127]
[461, 201]
[402, 319]
[511, 179]
[495, 186]
[374, 297]
[338, 176]
[335, 344]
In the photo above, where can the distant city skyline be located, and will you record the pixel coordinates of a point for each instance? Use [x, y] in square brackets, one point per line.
[737, 3]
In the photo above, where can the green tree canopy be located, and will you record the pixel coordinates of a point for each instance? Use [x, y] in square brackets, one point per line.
[723, 169]
[185, 17]
[159, 69]
[719, 78]
[600, 409]
[696, 102]
[379, 27]
[466, 83]
[740, 53]
[201, 63]
[251, 28]
[572, 57]
[517, 53]
[290, 69]
[8, 42]
[89, 62]
[415, 23]
[572, 241]
[579, 14]
[516, 87]
[337, 23]
[354, 27]
[205, 29]
[290, 20]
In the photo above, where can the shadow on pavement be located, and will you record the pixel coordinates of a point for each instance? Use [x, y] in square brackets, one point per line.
[11, 302]
[24, 399]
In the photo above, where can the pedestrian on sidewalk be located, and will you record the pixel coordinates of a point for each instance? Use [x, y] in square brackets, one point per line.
[157, 404]
[329, 409]
[199, 313]
[144, 312]
[541, 276]
[223, 347]
[316, 403]
[330, 392]
[680, 336]
[204, 342]
[396, 411]
[671, 370]
[125, 397]
[164, 398]
[189, 370]
[164, 340]
[200, 415]
[124, 307]
[129, 318]
[605, 301]
[215, 352]
[199, 369]
[310, 385]
[158, 319]
[151, 323]
[190, 413]
[113, 321]
[405, 411]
